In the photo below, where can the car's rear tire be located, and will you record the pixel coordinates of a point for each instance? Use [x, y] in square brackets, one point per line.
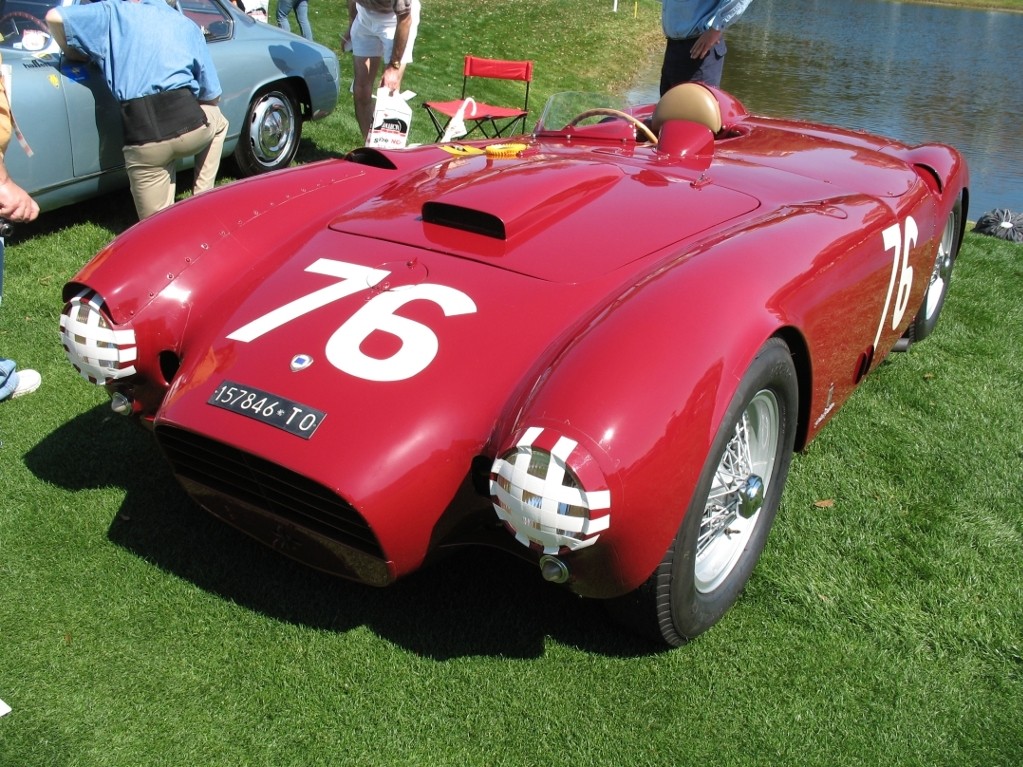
[726, 524]
[937, 288]
[271, 133]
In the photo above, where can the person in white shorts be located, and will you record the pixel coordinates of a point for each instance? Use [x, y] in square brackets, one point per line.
[379, 30]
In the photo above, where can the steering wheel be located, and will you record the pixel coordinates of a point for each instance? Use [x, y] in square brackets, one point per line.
[614, 113]
[24, 16]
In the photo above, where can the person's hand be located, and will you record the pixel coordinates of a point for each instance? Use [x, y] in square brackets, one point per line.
[392, 79]
[704, 43]
[15, 203]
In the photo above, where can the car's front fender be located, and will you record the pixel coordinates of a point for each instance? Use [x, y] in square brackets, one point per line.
[643, 388]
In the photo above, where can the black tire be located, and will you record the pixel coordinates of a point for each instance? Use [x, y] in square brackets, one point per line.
[726, 525]
[937, 288]
[272, 131]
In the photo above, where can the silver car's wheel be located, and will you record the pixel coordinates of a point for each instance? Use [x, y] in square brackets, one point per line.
[731, 509]
[271, 134]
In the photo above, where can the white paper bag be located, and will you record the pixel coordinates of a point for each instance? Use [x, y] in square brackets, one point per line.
[392, 118]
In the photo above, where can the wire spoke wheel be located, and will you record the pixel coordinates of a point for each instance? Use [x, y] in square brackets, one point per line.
[730, 510]
[937, 285]
[737, 491]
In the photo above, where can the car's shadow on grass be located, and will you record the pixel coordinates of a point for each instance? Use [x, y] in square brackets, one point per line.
[311, 151]
[477, 602]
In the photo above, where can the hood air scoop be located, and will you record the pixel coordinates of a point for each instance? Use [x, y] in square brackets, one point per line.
[519, 202]
[466, 219]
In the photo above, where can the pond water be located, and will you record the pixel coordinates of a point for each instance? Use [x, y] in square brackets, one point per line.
[910, 71]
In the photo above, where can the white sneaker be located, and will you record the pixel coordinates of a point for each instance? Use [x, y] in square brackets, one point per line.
[28, 382]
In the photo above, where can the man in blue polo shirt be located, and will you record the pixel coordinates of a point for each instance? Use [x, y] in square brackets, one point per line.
[157, 65]
[695, 50]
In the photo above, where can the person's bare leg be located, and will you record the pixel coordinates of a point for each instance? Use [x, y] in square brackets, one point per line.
[362, 91]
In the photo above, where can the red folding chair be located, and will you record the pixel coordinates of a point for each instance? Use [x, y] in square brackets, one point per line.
[490, 120]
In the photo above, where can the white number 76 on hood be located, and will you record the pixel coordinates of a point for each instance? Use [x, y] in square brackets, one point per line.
[419, 343]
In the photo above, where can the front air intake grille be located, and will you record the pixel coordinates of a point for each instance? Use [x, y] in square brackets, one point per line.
[236, 475]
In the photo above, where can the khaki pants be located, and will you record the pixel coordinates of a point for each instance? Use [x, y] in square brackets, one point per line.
[151, 167]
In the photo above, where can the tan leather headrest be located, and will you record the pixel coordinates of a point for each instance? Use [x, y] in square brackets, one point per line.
[688, 101]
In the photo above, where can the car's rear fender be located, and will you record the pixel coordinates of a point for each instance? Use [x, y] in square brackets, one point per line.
[946, 174]
[312, 74]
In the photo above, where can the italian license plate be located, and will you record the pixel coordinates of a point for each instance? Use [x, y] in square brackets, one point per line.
[279, 412]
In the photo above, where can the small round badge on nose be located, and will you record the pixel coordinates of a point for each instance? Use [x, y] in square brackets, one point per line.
[300, 362]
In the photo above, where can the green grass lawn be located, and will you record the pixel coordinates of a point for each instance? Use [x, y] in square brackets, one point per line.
[883, 625]
[575, 44]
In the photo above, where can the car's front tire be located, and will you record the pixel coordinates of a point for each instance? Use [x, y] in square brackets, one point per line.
[271, 133]
[726, 524]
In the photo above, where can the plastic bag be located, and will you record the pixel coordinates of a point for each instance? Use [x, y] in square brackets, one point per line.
[1001, 223]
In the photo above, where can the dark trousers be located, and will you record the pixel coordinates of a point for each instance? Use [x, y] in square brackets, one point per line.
[679, 67]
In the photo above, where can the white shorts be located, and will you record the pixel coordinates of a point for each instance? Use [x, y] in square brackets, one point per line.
[373, 34]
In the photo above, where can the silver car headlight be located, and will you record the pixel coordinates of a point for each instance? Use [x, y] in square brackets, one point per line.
[99, 353]
[550, 493]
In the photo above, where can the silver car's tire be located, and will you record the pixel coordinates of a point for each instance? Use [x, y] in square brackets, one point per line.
[726, 524]
[271, 134]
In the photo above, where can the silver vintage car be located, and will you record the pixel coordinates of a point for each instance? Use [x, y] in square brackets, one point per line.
[67, 144]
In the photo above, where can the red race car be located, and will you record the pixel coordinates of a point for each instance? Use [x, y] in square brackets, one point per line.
[596, 347]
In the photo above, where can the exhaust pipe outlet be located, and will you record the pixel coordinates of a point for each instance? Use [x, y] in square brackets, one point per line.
[120, 404]
[553, 569]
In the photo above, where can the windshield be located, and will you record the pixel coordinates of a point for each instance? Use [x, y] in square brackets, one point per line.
[600, 116]
[563, 108]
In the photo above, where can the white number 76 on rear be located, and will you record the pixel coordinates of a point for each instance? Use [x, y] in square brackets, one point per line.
[419, 343]
[900, 240]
